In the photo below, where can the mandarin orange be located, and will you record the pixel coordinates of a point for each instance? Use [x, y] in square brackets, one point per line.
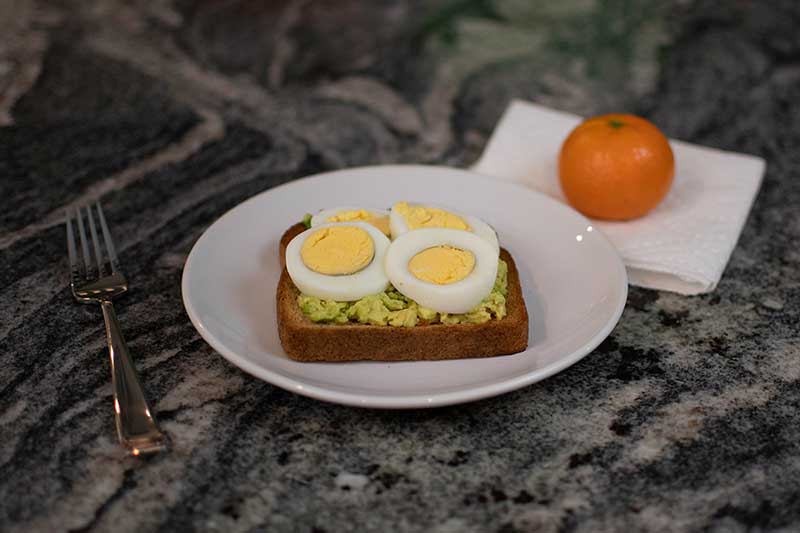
[615, 167]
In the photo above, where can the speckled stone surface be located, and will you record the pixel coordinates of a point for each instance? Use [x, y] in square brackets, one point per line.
[687, 418]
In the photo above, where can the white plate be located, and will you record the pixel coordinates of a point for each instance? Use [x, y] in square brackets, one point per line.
[574, 284]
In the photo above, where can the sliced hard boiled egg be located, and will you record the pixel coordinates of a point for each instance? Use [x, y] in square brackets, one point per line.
[446, 270]
[405, 217]
[377, 217]
[341, 261]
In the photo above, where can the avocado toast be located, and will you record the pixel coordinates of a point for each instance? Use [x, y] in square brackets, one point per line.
[306, 340]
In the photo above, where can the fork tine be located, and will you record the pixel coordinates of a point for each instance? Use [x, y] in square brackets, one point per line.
[112, 253]
[74, 267]
[87, 261]
[98, 255]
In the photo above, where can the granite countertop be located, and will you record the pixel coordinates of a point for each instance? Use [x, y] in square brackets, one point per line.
[684, 419]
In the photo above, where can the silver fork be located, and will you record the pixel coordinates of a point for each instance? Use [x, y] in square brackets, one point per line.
[136, 426]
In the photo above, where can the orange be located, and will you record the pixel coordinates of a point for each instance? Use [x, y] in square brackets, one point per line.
[615, 167]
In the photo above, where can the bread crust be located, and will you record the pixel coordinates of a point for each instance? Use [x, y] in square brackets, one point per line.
[304, 340]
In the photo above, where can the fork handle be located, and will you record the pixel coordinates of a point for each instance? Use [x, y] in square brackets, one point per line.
[136, 426]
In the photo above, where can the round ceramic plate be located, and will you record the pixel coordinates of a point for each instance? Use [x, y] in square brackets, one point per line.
[573, 281]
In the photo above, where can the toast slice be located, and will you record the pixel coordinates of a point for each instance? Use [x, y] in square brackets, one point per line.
[304, 340]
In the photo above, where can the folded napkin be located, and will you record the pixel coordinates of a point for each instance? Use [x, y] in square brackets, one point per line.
[682, 245]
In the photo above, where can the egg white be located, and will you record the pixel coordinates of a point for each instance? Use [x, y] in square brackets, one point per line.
[323, 216]
[398, 225]
[459, 297]
[371, 279]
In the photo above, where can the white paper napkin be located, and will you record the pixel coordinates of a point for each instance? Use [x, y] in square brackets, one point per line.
[682, 245]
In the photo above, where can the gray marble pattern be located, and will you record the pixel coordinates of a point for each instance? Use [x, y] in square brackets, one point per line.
[171, 112]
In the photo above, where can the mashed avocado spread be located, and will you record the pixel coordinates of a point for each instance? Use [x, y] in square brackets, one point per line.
[390, 308]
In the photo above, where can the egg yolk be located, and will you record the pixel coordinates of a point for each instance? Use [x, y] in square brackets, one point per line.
[442, 265]
[418, 216]
[338, 250]
[362, 215]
